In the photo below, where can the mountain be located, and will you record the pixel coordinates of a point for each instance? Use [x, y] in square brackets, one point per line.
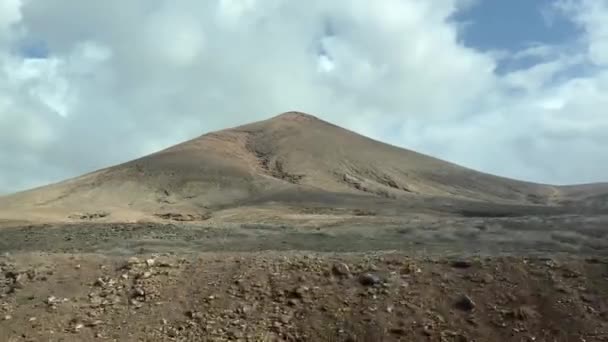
[293, 160]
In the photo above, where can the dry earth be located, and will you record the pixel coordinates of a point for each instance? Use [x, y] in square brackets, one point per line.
[425, 279]
[297, 296]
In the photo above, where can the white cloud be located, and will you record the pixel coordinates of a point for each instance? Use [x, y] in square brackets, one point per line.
[592, 16]
[176, 36]
[9, 14]
[128, 78]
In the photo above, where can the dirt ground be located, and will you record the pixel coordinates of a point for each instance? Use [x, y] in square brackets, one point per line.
[527, 278]
[582, 235]
[301, 296]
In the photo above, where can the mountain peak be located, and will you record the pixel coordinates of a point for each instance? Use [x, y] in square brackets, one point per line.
[295, 116]
[293, 158]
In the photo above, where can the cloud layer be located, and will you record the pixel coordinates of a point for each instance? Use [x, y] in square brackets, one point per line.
[122, 79]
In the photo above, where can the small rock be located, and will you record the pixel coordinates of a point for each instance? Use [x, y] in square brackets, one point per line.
[194, 314]
[144, 275]
[398, 331]
[52, 300]
[341, 269]
[94, 323]
[411, 268]
[285, 319]
[138, 292]
[487, 279]
[465, 303]
[587, 298]
[244, 310]
[32, 319]
[135, 303]
[100, 282]
[150, 262]
[299, 292]
[524, 313]
[461, 264]
[369, 279]
[8, 317]
[133, 261]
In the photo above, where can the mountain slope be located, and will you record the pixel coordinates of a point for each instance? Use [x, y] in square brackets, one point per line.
[290, 154]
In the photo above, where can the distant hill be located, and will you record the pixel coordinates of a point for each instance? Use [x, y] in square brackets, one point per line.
[289, 160]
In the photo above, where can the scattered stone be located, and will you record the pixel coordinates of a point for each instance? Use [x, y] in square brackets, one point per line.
[77, 326]
[236, 333]
[163, 263]
[369, 279]
[487, 279]
[524, 313]
[244, 310]
[587, 298]
[144, 275]
[52, 300]
[138, 292]
[465, 303]
[132, 262]
[95, 300]
[194, 314]
[150, 262]
[341, 270]
[8, 317]
[94, 323]
[299, 292]
[410, 268]
[135, 302]
[100, 282]
[285, 319]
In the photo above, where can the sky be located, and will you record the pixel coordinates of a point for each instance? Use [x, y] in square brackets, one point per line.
[515, 88]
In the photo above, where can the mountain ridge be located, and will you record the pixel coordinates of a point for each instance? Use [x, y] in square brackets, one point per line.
[291, 153]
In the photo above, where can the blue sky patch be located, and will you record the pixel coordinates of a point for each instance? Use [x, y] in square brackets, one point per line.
[514, 25]
[34, 49]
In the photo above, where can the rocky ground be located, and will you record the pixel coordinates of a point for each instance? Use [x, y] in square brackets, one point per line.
[301, 296]
[421, 235]
[415, 278]
[294, 229]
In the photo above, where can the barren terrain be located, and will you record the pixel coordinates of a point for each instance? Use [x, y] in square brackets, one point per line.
[294, 229]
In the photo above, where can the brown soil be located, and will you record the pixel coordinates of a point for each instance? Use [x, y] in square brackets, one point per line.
[295, 296]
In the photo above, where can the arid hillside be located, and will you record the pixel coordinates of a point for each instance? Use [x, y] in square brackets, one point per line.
[293, 160]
